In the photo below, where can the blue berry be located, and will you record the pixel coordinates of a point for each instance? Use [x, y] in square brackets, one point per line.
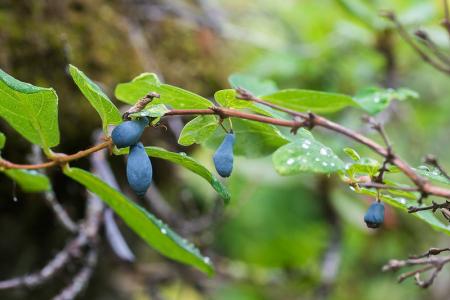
[129, 132]
[139, 169]
[374, 216]
[223, 158]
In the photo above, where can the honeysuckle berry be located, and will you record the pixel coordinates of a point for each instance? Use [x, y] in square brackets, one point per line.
[139, 169]
[223, 158]
[129, 132]
[374, 216]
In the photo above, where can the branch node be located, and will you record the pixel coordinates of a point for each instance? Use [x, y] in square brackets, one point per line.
[140, 105]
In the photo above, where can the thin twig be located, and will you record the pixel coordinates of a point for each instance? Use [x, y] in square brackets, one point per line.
[406, 37]
[432, 46]
[446, 22]
[428, 262]
[435, 206]
[381, 186]
[50, 269]
[431, 160]
[431, 251]
[81, 279]
[50, 197]
[57, 159]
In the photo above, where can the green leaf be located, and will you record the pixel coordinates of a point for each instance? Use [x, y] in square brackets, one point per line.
[198, 130]
[352, 153]
[308, 100]
[253, 139]
[108, 112]
[147, 226]
[31, 110]
[227, 98]
[190, 164]
[252, 84]
[304, 155]
[374, 99]
[140, 86]
[364, 166]
[432, 174]
[29, 180]
[2, 140]
[154, 111]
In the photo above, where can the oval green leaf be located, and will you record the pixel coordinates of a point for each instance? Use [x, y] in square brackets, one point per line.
[147, 226]
[30, 110]
[108, 112]
[308, 100]
[306, 155]
[198, 130]
[176, 97]
[253, 139]
[29, 180]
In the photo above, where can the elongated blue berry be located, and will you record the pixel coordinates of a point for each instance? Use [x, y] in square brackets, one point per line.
[223, 158]
[374, 216]
[129, 132]
[139, 169]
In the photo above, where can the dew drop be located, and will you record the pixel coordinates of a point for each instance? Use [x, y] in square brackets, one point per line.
[290, 161]
[324, 164]
[317, 159]
[305, 146]
[304, 160]
[163, 231]
[323, 151]
[207, 260]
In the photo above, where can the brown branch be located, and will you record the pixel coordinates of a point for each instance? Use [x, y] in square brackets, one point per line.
[50, 197]
[428, 263]
[431, 160]
[446, 22]
[50, 269]
[423, 35]
[57, 159]
[140, 105]
[407, 38]
[435, 206]
[431, 251]
[381, 186]
[301, 120]
[81, 279]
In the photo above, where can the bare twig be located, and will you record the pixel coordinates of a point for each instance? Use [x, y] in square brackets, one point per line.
[407, 38]
[431, 251]
[435, 206]
[81, 279]
[428, 261]
[432, 46]
[140, 105]
[380, 129]
[446, 22]
[381, 186]
[51, 269]
[50, 197]
[431, 160]
[101, 167]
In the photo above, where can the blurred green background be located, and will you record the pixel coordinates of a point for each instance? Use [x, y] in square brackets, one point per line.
[299, 237]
